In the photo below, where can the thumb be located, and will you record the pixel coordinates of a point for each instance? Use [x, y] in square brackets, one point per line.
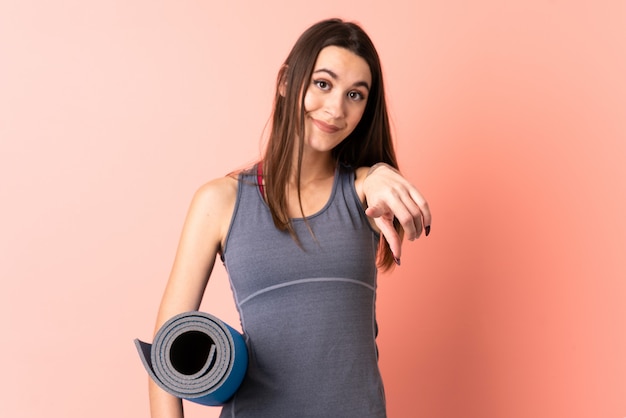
[374, 212]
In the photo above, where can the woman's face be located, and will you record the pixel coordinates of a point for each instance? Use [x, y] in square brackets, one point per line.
[335, 98]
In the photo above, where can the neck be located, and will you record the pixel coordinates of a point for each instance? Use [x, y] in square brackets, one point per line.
[314, 167]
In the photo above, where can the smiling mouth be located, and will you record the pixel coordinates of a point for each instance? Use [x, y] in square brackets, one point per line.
[325, 127]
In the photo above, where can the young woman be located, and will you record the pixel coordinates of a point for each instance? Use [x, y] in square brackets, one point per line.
[301, 234]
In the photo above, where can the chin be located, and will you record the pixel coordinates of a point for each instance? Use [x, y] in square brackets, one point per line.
[323, 146]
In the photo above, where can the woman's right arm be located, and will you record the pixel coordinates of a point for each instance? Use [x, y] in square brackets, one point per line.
[203, 235]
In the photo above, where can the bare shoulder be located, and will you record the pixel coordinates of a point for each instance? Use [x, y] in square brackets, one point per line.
[212, 207]
[216, 198]
[220, 191]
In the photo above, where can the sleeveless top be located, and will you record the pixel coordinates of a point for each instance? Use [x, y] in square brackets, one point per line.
[308, 311]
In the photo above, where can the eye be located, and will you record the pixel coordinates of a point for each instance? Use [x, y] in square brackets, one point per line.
[323, 85]
[356, 96]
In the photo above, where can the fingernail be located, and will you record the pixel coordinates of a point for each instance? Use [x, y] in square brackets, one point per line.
[397, 260]
[427, 229]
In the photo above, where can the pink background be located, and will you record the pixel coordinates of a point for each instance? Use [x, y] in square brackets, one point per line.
[510, 117]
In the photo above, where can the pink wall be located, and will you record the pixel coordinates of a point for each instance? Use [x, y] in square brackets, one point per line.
[510, 118]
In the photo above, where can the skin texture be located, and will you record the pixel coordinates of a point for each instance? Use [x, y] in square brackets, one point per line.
[334, 103]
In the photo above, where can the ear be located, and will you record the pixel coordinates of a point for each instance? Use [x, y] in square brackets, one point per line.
[282, 80]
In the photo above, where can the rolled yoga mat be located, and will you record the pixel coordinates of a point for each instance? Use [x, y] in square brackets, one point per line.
[196, 356]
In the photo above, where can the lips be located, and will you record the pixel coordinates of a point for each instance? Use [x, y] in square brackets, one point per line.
[326, 127]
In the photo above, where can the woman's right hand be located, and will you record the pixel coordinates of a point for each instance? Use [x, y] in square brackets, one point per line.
[389, 195]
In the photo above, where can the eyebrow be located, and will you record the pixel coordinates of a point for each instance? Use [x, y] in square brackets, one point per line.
[334, 76]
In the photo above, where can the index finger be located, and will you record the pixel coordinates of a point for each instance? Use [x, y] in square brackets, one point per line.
[391, 235]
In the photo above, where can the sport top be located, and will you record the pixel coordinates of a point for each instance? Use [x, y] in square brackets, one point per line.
[307, 312]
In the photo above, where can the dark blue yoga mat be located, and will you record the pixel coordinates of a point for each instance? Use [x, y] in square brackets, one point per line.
[196, 356]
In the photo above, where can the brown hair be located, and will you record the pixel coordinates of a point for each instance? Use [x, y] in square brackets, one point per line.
[368, 144]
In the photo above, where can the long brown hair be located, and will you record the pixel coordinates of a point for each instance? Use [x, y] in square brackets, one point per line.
[368, 144]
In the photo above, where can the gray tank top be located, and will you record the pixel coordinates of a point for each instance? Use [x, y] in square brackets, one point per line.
[307, 312]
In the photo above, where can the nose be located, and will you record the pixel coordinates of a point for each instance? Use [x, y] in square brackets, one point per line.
[334, 105]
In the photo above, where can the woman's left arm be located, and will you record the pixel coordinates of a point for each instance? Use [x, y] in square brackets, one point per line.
[386, 195]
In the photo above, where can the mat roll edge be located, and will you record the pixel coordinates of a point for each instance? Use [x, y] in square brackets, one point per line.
[223, 360]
